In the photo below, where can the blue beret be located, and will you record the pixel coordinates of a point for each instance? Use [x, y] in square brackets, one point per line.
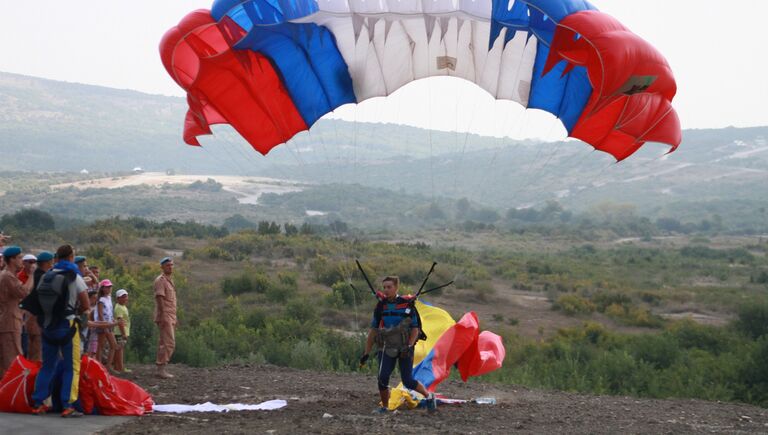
[165, 260]
[11, 251]
[79, 259]
[44, 256]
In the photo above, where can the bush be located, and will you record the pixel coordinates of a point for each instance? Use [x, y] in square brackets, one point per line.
[192, 350]
[753, 320]
[280, 293]
[661, 351]
[310, 355]
[250, 281]
[691, 335]
[603, 300]
[343, 295]
[326, 272]
[302, 310]
[572, 304]
[28, 220]
[146, 251]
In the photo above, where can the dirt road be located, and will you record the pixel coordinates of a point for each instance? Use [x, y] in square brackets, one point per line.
[350, 399]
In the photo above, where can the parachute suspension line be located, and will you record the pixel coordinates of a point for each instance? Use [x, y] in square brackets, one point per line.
[235, 162]
[460, 160]
[340, 154]
[215, 157]
[429, 121]
[398, 122]
[591, 181]
[247, 158]
[290, 151]
[529, 178]
[483, 179]
[514, 121]
[596, 176]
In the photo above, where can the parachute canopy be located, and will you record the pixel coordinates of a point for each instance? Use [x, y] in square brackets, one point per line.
[272, 68]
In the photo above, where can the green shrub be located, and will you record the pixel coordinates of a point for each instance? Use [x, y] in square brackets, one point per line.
[192, 350]
[661, 351]
[753, 320]
[280, 293]
[310, 355]
[691, 335]
[250, 281]
[256, 319]
[302, 310]
[572, 304]
[603, 300]
[146, 251]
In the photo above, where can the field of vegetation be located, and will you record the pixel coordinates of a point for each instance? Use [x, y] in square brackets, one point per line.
[583, 305]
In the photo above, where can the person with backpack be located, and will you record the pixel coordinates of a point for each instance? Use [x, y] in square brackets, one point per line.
[12, 291]
[395, 329]
[57, 300]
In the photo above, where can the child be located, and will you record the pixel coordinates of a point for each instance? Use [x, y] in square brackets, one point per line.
[122, 330]
[105, 314]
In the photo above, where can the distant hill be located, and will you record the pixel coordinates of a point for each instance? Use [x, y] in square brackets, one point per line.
[55, 126]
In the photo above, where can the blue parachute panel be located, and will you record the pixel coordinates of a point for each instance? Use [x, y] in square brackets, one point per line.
[563, 96]
[250, 13]
[309, 64]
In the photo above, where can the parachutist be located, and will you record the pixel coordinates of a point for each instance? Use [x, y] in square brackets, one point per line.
[395, 329]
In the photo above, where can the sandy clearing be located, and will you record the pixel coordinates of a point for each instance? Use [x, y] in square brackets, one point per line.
[248, 189]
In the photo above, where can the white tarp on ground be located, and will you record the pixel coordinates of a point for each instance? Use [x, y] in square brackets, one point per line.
[212, 407]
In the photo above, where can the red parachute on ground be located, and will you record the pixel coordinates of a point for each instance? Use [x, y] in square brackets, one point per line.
[17, 386]
[100, 393]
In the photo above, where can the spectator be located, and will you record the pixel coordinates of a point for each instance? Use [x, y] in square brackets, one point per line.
[11, 294]
[29, 263]
[122, 330]
[90, 333]
[61, 337]
[82, 264]
[95, 272]
[106, 314]
[165, 316]
[34, 340]
[25, 275]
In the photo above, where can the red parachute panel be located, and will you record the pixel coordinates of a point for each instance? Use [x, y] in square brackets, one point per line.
[17, 386]
[633, 84]
[224, 86]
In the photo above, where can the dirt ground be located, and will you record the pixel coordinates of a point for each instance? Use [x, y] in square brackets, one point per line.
[350, 399]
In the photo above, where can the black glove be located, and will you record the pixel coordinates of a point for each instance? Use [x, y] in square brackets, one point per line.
[407, 352]
[363, 359]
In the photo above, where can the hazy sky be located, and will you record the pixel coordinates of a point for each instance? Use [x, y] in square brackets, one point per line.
[716, 49]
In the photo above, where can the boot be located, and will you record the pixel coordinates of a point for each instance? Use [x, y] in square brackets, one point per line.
[162, 373]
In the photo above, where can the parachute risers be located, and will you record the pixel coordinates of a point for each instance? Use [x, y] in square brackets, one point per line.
[272, 68]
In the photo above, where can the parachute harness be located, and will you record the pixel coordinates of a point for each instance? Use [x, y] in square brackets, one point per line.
[396, 339]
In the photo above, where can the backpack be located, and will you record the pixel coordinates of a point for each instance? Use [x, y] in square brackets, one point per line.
[49, 301]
